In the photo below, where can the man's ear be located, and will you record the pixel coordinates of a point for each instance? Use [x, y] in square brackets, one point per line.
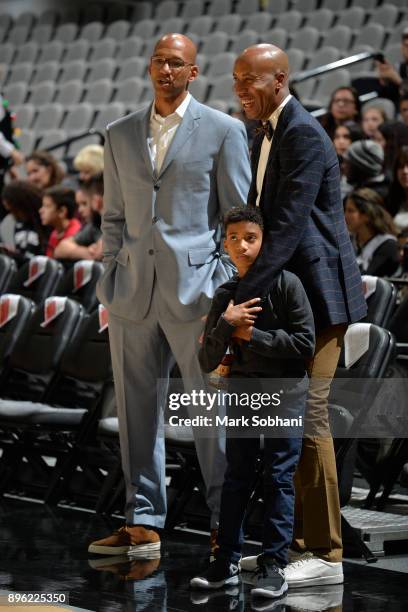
[194, 70]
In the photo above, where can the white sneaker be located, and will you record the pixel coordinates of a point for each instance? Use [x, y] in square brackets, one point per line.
[311, 571]
[250, 564]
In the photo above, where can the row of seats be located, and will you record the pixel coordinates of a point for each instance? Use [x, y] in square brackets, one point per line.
[105, 103]
[308, 39]
[356, 17]
[110, 12]
[64, 408]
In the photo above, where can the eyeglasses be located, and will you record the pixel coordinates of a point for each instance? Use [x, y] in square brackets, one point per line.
[173, 62]
[343, 101]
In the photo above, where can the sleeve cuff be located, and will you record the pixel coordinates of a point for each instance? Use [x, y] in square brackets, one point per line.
[224, 328]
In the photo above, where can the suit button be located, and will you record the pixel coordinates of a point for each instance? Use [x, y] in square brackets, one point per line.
[155, 220]
[151, 251]
[156, 187]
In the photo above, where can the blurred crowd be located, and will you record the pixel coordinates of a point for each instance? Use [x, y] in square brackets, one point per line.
[46, 211]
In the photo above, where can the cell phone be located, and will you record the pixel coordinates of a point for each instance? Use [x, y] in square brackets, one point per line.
[379, 57]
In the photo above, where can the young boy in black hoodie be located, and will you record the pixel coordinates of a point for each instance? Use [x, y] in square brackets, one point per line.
[270, 336]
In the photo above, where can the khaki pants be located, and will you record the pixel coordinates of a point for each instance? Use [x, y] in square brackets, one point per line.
[317, 508]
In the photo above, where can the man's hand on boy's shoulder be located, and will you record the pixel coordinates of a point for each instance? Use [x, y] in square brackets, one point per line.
[242, 314]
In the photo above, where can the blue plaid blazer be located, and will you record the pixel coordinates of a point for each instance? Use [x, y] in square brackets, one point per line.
[305, 230]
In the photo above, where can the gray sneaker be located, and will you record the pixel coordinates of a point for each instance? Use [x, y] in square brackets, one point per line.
[269, 581]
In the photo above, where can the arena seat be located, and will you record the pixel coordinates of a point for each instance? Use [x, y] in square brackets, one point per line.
[69, 93]
[104, 48]
[16, 94]
[99, 92]
[216, 8]
[67, 415]
[231, 24]
[48, 71]
[42, 93]
[130, 49]
[8, 269]
[92, 31]
[15, 314]
[242, 40]
[118, 30]
[259, 21]
[37, 279]
[352, 17]
[381, 297]
[191, 9]
[79, 283]
[37, 354]
[289, 21]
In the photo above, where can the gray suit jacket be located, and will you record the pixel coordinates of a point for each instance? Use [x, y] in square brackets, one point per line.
[168, 225]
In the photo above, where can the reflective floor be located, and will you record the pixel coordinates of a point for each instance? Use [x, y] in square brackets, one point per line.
[44, 550]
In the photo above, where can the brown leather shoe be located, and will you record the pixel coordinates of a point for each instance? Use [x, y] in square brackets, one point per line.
[135, 541]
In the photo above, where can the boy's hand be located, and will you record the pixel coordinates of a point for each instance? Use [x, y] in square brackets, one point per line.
[244, 332]
[242, 314]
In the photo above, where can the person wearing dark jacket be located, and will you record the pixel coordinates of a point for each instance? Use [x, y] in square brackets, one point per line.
[269, 338]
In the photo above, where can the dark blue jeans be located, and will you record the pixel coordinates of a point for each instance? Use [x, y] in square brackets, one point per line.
[280, 458]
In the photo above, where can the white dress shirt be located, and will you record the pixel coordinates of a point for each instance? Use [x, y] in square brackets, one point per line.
[266, 148]
[163, 130]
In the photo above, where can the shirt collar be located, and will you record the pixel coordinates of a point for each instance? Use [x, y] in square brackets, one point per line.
[275, 115]
[180, 110]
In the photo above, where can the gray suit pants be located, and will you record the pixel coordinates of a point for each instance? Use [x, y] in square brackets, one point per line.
[142, 353]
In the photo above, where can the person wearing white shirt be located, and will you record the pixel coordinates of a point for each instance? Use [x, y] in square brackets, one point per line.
[172, 170]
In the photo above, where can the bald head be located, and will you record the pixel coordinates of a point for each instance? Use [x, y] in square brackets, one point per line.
[180, 43]
[267, 57]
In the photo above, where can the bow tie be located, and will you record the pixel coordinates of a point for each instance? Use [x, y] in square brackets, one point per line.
[266, 129]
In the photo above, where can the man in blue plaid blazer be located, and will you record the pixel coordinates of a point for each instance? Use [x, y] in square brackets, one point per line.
[296, 184]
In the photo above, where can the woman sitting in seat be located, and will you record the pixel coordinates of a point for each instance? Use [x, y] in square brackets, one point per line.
[373, 232]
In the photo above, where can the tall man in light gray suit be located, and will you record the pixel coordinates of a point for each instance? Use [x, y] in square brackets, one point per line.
[171, 171]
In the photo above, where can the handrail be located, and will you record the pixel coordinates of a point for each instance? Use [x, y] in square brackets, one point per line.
[68, 141]
[303, 75]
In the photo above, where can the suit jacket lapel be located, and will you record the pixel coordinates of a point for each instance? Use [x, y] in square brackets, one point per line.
[141, 135]
[188, 125]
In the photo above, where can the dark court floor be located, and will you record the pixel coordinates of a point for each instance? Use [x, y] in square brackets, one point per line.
[46, 550]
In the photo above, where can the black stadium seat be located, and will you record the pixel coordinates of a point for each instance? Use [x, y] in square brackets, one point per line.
[38, 278]
[80, 281]
[8, 268]
[38, 352]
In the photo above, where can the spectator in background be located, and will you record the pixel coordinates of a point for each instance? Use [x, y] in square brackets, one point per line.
[374, 233]
[363, 167]
[344, 135]
[344, 106]
[9, 154]
[43, 170]
[403, 107]
[87, 243]
[22, 234]
[394, 79]
[58, 210]
[391, 135]
[372, 117]
[83, 202]
[397, 202]
[89, 162]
